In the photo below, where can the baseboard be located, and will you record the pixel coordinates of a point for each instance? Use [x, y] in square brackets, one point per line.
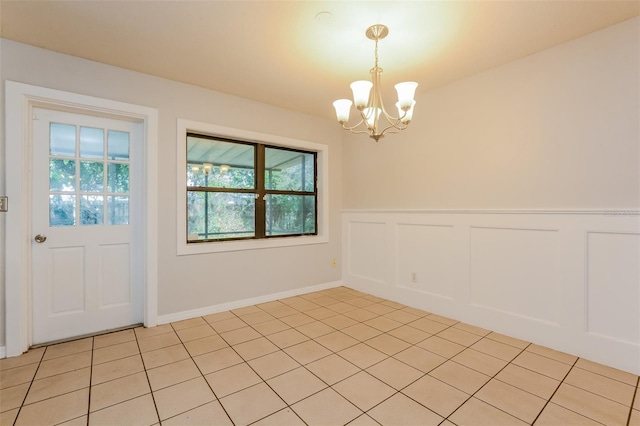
[208, 310]
[3, 351]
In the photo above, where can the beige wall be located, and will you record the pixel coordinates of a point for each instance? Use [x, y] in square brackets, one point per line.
[191, 282]
[555, 130]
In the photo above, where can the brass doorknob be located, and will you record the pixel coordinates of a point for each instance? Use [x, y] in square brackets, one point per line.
[40, 238]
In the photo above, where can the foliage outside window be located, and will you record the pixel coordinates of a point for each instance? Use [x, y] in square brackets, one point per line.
[243, 190]
[88, 176]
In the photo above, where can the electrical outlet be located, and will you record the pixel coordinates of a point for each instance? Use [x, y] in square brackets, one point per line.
[414, 277]
[334, 263]
[4, 204]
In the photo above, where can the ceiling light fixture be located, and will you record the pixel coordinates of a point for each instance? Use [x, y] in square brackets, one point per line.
[372, 108]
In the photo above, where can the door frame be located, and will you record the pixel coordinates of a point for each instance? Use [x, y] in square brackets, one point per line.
[20, 99]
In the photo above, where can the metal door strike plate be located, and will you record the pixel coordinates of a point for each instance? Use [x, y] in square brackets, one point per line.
[4, 203]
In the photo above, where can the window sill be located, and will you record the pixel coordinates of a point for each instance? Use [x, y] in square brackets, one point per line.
[226, 246]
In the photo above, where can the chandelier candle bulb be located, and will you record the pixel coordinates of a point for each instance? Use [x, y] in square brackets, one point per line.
[405, 115]
[361, 90]
[406, 92]
[343, 107]
[367, 97]
[372, 115]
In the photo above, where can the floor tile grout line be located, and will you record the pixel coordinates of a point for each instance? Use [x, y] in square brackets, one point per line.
[301, 365]
[153, 398]
[275, 412]
[322, 320]
[315, 320]
[572, 367]
[450, 326]
[518, 387]
[553, 359]
[51, 397]
[90, 366]
[205, 380]
[48, 377]
[263, 381]
[426, 373]
[602, 375]
[118, 403]
[93, 344]
[392, 356]
[406, 396]
[35, 373]
[488, 336]
[481, 387]
[633, 400]
[555, 391]
[597, 394]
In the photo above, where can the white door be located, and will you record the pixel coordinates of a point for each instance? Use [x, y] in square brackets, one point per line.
[86, 203]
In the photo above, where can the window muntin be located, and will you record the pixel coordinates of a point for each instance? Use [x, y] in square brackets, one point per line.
[243, 190]
[83, 181]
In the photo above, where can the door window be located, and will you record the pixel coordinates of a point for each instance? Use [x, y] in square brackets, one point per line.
[88, 176]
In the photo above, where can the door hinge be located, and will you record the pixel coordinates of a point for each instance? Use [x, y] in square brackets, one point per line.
[4, 203]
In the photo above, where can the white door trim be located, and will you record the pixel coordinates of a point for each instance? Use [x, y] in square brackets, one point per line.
[19, 101]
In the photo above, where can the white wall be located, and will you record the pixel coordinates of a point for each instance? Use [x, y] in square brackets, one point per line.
[558, 131]
[555, 130]
[191, 282]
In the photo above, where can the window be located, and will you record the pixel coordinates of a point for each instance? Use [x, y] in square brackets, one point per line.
[246, 190]
[284, 199]
[88, 176]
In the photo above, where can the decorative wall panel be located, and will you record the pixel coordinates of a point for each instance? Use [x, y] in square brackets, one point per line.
[367, 257]
[514, 271]
[426, 258]
[613, 285]
[569, 280]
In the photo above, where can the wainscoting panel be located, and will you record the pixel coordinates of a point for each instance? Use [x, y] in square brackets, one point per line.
[613, 289]
[514, 271]
[569, 280]
[426, 259]
[368, 255]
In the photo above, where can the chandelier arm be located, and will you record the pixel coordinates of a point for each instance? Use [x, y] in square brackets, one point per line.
[392, 118]
[397, 127]
[352, 128]
[376, 100]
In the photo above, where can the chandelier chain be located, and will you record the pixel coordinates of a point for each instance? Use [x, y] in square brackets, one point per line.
[376, 54]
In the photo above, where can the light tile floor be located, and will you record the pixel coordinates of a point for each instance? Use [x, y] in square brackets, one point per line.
[332, 357]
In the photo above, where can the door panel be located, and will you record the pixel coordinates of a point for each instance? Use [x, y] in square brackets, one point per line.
[67, 280]
[85, 202]
[115, 282]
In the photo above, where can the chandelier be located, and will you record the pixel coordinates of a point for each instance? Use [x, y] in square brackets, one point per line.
[367, 96]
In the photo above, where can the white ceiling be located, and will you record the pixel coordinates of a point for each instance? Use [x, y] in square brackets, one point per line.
[283, 53]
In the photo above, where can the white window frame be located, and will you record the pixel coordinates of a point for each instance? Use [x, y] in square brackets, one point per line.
[188, 126]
